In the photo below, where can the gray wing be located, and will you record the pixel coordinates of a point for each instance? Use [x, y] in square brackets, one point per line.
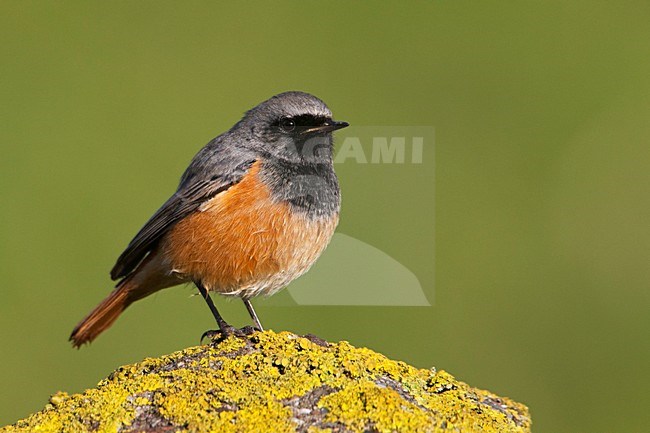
[208, 175]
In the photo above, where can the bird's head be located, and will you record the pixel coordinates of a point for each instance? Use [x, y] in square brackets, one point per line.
[292, 126]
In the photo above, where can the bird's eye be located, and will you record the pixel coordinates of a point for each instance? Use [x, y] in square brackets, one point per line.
[287, 124]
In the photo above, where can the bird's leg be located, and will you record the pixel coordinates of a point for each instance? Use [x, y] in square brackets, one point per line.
[253, 315]
[224, 328]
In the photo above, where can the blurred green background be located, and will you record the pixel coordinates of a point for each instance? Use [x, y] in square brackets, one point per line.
[541, 185]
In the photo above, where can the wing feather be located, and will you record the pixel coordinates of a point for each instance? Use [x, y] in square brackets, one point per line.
[189, 197]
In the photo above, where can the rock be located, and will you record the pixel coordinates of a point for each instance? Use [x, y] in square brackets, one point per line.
[272, 382]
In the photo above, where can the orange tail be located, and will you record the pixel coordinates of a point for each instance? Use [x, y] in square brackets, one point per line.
[102, 316]
[149, 277]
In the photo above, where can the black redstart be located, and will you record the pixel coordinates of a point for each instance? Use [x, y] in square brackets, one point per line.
[254, 210]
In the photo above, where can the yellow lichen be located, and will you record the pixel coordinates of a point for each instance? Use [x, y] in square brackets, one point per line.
[256, 384]
[364, 403]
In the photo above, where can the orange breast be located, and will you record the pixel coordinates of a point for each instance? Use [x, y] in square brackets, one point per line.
[242, 243]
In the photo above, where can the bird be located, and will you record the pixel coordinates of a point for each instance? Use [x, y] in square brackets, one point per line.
[253, 211]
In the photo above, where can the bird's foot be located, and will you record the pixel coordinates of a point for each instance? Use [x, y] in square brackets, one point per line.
[248, 330]
[217, 335]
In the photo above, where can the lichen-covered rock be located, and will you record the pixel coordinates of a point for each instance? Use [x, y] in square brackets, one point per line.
[272, 382]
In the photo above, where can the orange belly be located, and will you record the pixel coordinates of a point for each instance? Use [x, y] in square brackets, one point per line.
[242, 243]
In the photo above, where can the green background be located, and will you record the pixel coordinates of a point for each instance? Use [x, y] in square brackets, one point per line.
[541, 185]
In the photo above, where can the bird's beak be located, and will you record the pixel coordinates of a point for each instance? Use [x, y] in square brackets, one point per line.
[339, 125]
[329, 126]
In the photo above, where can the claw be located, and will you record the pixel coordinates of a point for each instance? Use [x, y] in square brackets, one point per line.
[211, 334]
[218, 335]
[248, 330]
